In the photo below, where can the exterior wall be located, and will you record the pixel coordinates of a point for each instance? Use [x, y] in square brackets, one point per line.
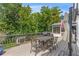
[66, 25]
[77, 30]
[77, 25]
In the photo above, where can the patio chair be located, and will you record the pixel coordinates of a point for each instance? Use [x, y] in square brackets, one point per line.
[52, 39]
[55, 45]
[35, 46]
[45, 33]
[50, 43]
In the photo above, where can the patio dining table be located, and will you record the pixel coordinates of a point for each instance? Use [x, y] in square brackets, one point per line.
[43, 40]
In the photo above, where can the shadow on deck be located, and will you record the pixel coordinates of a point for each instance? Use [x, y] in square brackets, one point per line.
[61, 50]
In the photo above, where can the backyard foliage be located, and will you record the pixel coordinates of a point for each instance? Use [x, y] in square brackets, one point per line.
[16, 19]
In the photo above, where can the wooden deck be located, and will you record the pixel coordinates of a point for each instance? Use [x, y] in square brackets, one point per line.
[62, 50]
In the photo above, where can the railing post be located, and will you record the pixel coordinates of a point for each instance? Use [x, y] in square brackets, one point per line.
[70, 30]
[17, 41]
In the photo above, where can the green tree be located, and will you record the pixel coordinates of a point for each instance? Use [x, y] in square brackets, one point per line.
[49, 16]
[14, 18]
[24, 19]
[10, 16]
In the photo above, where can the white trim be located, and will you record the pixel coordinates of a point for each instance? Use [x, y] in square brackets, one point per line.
[39, 1]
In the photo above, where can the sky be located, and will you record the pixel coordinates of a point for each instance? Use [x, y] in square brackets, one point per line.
[37, 6]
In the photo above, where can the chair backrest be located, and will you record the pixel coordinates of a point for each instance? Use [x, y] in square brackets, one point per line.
[52, 35]
[45, 33]
[33, 40]
[55, 40]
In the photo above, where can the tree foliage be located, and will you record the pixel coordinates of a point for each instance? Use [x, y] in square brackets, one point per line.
[14, 18]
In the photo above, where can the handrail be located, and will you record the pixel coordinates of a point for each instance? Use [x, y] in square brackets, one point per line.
[17, 35]
[12, 35]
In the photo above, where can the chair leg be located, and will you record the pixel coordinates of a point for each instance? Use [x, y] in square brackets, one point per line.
[36, 52]
[54, 47]
[50, 50]
[31, 50]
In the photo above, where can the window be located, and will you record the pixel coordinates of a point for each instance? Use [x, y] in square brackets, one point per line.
[56, 29]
